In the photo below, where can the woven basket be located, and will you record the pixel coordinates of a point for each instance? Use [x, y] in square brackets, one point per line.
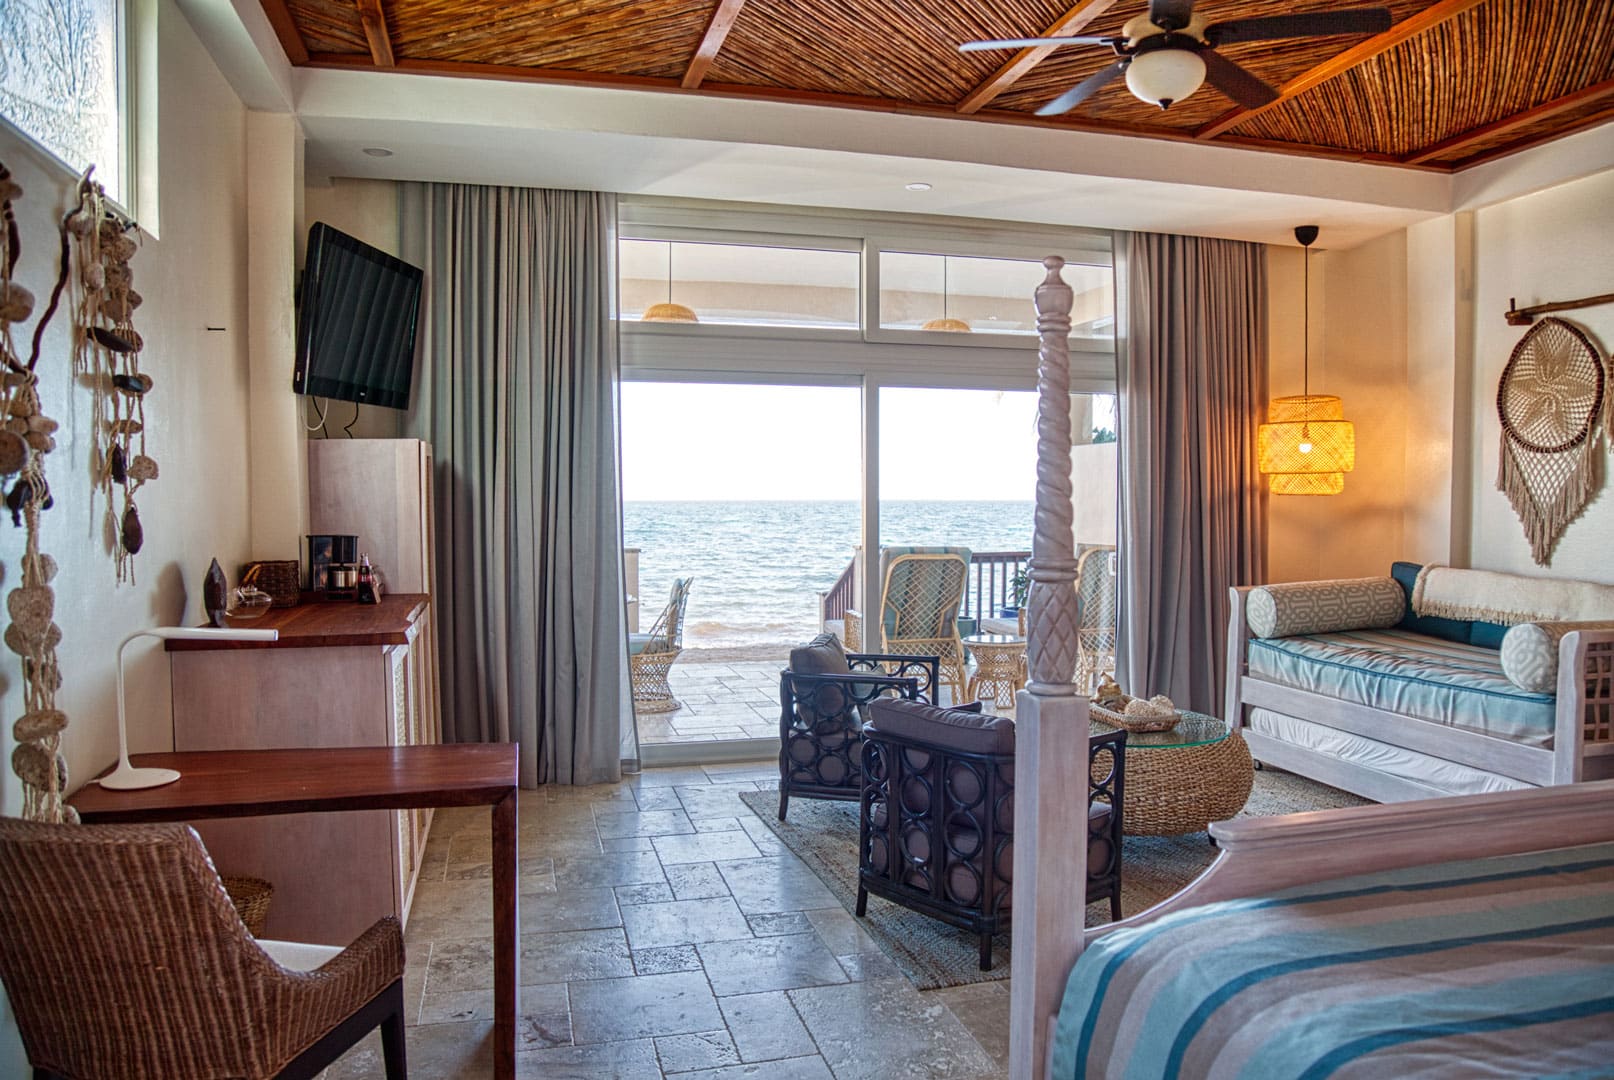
[280, 578]
[251, 898]
[1138, 725]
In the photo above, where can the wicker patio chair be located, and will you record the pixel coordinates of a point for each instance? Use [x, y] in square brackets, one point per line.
[123, 958]
[921, 592]
[651, 656]
[1097, 602]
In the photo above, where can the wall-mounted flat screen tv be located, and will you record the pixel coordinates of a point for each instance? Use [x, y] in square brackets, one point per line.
[356, 322]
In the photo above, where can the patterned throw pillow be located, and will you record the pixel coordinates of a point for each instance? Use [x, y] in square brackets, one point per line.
[1530, 653]
[1319, 607]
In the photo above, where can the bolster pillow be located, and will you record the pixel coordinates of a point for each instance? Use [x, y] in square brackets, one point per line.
[1318, 607]
[1530, 652]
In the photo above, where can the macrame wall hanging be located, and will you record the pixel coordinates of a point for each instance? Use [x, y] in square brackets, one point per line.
[1551, 401]
[26, 436]
[107, 351]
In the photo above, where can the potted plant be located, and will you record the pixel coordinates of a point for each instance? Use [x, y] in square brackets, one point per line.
[1019, 587]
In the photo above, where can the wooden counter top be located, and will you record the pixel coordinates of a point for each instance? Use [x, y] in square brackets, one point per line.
[323, 624]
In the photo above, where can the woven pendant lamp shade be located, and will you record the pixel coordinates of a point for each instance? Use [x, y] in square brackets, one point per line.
[949, 326]
[1307, 446]
[669, 313]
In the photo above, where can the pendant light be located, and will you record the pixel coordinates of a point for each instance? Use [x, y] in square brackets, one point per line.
[669, 311]
[944, 324]
[1307, 446]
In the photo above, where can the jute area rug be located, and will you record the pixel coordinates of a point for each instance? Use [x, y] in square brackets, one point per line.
[930, 953]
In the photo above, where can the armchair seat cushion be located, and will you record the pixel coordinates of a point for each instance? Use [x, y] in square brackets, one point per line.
[966, 730]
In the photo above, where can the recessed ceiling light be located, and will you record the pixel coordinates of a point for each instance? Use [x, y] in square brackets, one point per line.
[378, 151]
[918, 185]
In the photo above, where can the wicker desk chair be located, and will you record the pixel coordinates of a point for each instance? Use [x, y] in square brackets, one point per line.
[123, 958]
[1097, 601]
[651, 656]
[922, 590]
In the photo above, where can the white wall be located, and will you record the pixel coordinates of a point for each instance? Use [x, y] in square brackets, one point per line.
[368, 210]
[1557, 244]
[197, 417]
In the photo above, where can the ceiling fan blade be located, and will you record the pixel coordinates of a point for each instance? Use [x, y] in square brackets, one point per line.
[1307, 24]
[1235, 82]
[1034, 43]
[1082, 90]
[1171, 14]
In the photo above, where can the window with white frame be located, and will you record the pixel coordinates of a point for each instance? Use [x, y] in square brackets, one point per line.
[737, 284]
[62, 75]
[974, 294]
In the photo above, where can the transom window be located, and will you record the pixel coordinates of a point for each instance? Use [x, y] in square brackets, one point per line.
[737, 284]
[62, 82]
[970, 294]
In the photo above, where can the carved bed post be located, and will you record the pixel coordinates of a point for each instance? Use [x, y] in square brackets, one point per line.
[1050, 817]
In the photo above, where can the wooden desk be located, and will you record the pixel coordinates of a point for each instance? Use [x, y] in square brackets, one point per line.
[248, 783]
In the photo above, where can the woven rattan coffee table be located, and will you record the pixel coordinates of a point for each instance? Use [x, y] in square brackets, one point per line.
[1179, 781]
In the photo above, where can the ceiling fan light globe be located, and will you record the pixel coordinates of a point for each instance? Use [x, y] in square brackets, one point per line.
[1163, 76]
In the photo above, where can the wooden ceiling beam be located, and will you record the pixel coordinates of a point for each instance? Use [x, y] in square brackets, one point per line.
[717, 31]
[1072, 22]
[1546, 110]
[375, 32]
[285, 28]
[1360, 53]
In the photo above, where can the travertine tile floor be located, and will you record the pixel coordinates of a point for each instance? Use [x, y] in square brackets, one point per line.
[667, 933]
[736, 699]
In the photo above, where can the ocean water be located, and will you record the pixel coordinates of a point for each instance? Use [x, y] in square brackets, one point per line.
[759, 566]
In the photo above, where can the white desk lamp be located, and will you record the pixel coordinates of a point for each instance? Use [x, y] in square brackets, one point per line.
[126, 777]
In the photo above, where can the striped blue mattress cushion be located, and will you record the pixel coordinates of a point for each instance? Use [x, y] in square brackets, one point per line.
[1409, 674]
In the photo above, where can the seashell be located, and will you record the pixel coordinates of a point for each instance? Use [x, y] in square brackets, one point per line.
[120, 248]
[142, 468]
[24, 404]
[16, 303]
[41, 422]
[16, 378]
[22, 493]
[126, 427]
[81, 222]
[134, 537]
[31, 608]
[70, 815]
[35, 765]
[112, 230]
[116, 465]
[118, 276]
[133, 385]
[27, 645]
[13, 453]
[10, 190]
[45, 570]
[18, 642]
[94, 277]
[39, 725]
[17, 425]
[40, 441]
[113, 340]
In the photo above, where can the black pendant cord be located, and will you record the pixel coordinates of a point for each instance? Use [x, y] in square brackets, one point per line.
[1305, 378]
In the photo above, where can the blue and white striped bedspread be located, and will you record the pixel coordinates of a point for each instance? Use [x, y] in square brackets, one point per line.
[1489, 968]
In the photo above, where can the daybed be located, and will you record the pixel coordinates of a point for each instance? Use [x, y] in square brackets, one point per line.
[1383, 687]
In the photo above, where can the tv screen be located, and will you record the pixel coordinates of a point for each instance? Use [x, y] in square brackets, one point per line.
[356, 323]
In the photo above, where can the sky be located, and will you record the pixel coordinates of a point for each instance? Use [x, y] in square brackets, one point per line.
[701, 441]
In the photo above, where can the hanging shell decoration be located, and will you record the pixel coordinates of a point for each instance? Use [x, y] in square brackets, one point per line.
[108, 352]
[26, 436]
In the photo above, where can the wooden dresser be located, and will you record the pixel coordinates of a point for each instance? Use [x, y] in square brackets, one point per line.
[342, 674]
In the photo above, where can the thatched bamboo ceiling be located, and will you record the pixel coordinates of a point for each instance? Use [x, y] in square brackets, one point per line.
[1451, 84]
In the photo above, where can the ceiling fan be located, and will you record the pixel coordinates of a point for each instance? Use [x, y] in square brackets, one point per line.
[1167, 52]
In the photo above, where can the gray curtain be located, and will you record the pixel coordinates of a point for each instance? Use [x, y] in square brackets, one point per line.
[1191, 358]
[516, 390]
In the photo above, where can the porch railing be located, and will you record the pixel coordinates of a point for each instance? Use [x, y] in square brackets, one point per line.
[990, 585]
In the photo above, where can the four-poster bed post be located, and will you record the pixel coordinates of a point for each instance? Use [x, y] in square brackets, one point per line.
[1050, 849]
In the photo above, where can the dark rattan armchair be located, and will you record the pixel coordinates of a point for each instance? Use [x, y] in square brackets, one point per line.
[823, 697]
[937, 822]
[123, 957]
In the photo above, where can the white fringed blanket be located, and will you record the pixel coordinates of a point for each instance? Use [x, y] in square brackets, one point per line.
[1448, 593]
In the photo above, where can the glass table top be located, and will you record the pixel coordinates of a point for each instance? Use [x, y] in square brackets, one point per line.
[993, 639]
[1194, 729]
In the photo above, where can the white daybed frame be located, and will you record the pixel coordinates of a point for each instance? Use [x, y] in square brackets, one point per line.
[1583, 736]
[1257, 855]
